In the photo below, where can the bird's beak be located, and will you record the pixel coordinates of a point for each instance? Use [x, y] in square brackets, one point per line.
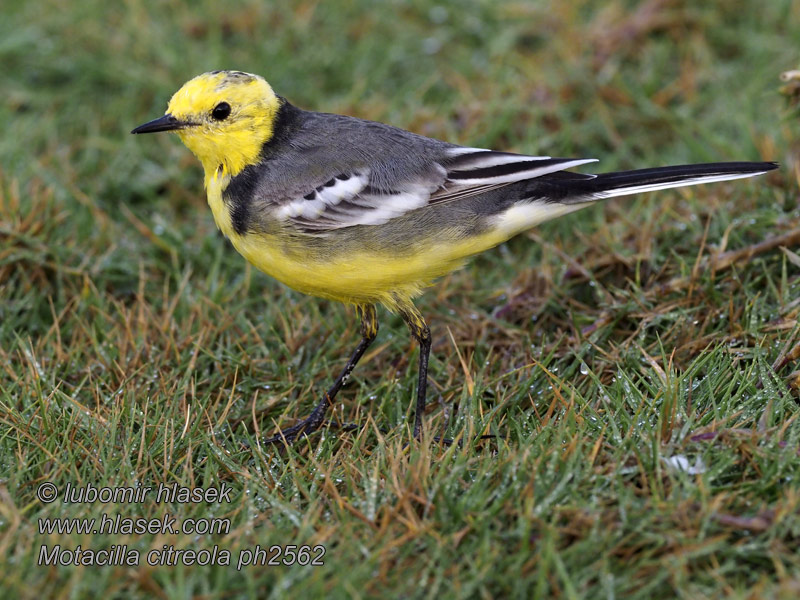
[165, 123]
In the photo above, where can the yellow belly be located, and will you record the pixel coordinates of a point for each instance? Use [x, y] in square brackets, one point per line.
[354, 274]
[357, 276]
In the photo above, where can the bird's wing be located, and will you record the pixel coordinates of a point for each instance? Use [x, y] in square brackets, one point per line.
[361, 196]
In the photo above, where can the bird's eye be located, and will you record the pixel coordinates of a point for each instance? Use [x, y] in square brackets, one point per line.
[221, 111]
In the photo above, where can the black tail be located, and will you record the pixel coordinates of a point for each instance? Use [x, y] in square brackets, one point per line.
[574, 187]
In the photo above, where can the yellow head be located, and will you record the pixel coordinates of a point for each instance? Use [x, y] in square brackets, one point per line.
[223, 117]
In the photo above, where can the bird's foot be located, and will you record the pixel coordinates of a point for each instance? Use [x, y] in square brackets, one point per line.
[307, 426]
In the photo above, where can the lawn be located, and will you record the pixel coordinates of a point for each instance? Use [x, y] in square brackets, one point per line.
[637, 361]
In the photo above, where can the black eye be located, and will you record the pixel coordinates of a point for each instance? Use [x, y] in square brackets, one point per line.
[221, 111]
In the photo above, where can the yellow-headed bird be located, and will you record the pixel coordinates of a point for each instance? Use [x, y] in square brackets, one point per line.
[366, 213]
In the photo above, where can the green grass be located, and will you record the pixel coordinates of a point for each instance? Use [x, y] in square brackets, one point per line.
[136, 347]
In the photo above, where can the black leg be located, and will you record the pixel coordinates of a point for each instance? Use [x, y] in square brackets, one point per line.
[419, 329]
[369, 330]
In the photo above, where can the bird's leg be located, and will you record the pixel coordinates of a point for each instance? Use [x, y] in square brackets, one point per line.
[422, 333]
[369, 330]
[419, 329]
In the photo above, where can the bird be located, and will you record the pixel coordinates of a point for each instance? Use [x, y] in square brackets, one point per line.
[369, 214]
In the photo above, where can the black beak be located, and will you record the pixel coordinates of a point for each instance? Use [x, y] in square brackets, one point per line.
[165, 123]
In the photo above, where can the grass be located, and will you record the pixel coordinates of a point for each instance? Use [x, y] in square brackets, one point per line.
[136, 347]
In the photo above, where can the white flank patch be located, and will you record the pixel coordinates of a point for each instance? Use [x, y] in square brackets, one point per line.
[524, 216]
[652, 187]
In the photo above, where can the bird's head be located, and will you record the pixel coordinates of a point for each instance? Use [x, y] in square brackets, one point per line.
[223, 117]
